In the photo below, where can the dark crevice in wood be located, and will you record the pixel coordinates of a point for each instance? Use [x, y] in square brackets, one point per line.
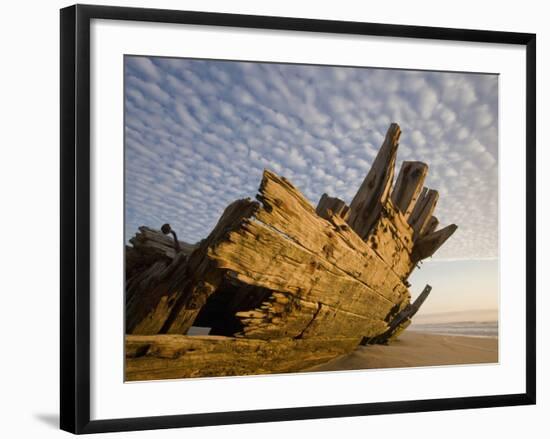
[231, 297]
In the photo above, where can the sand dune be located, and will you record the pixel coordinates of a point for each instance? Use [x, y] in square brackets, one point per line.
[418, 349]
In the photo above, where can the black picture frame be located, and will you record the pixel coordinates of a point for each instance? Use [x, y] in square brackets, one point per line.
[75, 217]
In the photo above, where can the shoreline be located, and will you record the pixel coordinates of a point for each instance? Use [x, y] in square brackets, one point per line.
[447, 334]
[417, 349]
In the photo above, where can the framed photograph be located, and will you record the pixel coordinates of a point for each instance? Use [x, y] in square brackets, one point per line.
[268, 218]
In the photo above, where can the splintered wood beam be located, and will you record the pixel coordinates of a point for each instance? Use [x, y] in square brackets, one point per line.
[427, 245]
[423, 211]
[329, 206]
[420, 300]
[156, 357]
[409, 186]
[430, 227]
[372, 194]
[411, 309]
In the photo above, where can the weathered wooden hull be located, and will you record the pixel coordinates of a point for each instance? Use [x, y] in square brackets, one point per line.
[278, 274]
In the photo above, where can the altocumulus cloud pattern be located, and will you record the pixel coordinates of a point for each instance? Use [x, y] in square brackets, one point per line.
[198, 135]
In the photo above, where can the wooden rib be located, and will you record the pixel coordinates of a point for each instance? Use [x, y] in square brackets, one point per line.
[423, 210]
[427, 245]
[374, 191]
[401, 320]
[409, 186]
[329, 206]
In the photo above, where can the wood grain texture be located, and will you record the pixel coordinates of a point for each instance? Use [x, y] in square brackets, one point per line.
[258, 255]
[284, 315]
[155, 357]
[409, 186]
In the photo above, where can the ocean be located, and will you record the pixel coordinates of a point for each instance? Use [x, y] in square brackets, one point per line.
[468, 329]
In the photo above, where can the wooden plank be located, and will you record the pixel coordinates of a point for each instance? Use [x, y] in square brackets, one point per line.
[156, 357]
[409, 186]
[329, 320]
[329, 206]
[375, 189]
[423, 211]
[427, 245]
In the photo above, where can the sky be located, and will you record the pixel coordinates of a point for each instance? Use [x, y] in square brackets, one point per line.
[199, 133]
[457, 285]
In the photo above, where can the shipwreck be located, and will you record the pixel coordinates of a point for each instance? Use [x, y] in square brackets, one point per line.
[282, 284]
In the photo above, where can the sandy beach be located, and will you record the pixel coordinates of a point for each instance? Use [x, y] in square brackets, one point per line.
[418, 349]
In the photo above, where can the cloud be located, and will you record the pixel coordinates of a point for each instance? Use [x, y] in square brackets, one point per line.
[296, 160]
[427, 102]
[200, 133]
[145, 66]
[418, 139]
